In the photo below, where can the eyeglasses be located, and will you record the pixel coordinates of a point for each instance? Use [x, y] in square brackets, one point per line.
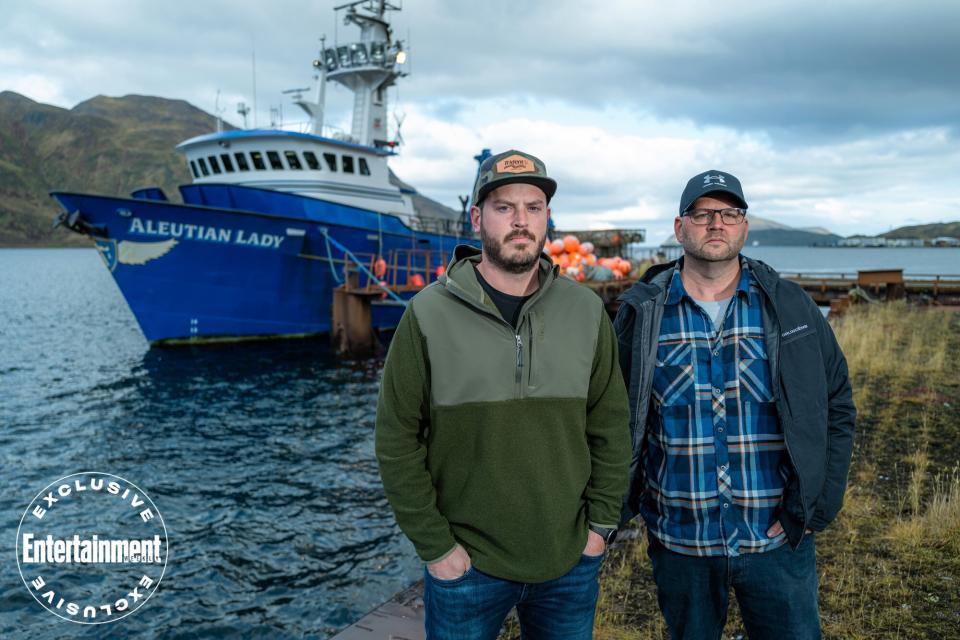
[702, 217]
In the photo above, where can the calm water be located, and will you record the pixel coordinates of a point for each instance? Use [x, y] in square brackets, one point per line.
[260, 458]
[939, 261]
[930, 261]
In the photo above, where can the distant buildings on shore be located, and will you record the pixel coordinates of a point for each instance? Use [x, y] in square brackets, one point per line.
[877, 241]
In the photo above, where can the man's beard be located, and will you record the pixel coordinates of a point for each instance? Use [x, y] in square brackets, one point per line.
[519, 263]
[731, 250]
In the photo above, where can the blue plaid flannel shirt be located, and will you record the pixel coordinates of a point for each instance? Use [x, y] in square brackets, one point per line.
[715, 462]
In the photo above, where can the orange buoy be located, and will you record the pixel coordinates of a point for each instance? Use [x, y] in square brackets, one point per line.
[440, 271]
[556, 247]
[571, 244]
[380, 267]
[416, 280]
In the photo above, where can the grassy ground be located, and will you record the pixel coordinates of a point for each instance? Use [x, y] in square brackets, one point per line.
[889, 567]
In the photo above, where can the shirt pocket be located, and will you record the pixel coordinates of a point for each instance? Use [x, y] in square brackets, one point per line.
[674, 378]
[753, 371]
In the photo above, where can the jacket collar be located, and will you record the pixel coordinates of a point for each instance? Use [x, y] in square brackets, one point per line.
[676, 290]
[656, 280]
[460, 278]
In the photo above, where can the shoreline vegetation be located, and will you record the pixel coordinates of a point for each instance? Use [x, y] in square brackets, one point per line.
[889, 566]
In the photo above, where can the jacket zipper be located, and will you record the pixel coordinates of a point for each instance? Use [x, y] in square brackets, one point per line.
[519, 364]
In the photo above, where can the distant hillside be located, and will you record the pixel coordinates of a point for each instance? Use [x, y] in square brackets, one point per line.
[104, 145]
[925, 231]
[110, 146]
[769, 233]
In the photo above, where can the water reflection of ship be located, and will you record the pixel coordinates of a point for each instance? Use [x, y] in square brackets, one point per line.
[273, 217]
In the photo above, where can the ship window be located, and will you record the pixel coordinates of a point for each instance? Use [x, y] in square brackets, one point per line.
[348, 164]
[274, 159]
[214, 164]
[257, 159]
[203, 166]
[193, 167]
[241, 161]
[331, 160]
[292, 160]
[227, 164]
[364, 168]
[311, 160]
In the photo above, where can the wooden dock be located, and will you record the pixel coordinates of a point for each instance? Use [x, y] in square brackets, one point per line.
[824, 288]
[399, 618]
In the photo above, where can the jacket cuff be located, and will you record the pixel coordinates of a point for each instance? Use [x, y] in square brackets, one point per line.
[817, 522]
[442, 557]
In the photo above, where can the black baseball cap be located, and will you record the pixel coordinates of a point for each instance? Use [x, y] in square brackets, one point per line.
[709, 182]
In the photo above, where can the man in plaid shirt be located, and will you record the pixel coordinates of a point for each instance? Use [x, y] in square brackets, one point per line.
[742, 421]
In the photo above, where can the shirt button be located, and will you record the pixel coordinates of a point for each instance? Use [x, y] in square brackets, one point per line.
[726, 505]
[720, 429]
[716, 352]
[723, 467]
[717, 392]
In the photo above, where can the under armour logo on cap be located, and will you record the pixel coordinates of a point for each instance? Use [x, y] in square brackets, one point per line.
[713, 180]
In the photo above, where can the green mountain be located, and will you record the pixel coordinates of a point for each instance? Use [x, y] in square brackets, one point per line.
[103, 145]
[925, 231]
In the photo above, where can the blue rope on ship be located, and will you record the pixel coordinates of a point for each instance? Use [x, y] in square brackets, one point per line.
[349, 254]
[333, 269]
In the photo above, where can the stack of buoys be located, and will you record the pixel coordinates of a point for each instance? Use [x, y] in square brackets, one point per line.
[571, 256]
[620, 267]
[574, 257]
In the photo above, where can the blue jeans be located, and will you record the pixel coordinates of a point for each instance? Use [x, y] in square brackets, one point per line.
[474, 606]
[776, 591]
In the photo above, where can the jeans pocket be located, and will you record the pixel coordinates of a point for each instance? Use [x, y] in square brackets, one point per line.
[447, 583]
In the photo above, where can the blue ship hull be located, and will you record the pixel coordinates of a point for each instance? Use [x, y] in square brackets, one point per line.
[238, 262]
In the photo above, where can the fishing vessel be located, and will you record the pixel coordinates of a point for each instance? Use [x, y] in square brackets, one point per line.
[275, 220]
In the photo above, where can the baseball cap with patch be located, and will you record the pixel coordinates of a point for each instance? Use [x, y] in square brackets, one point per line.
[510, 167]
[711, 182]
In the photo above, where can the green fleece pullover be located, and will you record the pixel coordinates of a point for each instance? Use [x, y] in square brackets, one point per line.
[508, 442]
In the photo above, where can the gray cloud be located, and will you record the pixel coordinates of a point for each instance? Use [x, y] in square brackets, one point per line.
[845, 67]
[797, 71]
[821, 103]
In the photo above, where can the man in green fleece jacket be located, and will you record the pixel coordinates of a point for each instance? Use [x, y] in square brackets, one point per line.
[502, 425]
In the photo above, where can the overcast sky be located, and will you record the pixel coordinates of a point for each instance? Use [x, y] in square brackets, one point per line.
[840, 114]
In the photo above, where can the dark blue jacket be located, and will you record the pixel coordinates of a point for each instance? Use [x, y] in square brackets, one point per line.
[811, 390]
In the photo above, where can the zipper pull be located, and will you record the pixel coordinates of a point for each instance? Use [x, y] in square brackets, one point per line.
[519, 355]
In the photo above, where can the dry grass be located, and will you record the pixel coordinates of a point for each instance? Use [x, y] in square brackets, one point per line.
[894, 340]
[890, 565]
[937, 526]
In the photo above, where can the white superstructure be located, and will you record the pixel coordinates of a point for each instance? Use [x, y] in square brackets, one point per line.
[349, 170]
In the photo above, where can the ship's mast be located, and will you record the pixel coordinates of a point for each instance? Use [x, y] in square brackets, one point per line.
[367, 67]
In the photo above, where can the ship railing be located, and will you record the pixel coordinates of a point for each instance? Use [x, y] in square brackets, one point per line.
[400, 270]
[441, 226]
